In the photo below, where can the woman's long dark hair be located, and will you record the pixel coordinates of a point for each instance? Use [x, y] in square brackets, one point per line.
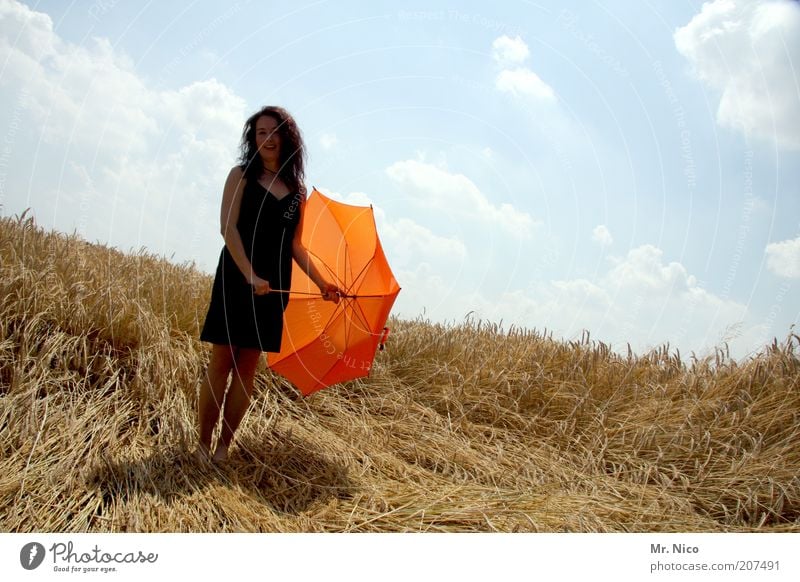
[293, 151]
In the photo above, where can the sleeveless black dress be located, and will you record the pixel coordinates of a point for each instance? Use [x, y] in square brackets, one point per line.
[236, 316]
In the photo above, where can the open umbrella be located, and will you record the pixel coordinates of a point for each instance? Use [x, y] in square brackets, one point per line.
[325, 343]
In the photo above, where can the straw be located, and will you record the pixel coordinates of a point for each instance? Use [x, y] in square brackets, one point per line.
[461, 427]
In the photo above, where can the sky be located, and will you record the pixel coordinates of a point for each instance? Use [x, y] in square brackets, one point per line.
[626, 168]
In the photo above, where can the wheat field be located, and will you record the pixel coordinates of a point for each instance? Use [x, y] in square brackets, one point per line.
[460, 428]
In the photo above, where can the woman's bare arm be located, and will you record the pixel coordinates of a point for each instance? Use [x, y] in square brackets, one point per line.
[229, 216]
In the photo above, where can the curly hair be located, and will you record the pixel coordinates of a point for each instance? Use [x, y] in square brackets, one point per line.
[293, 150]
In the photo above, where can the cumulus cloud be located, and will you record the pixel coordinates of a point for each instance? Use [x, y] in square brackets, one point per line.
[140, 166]
[415, 238]
[783, 258]
[523, 82]
[748, 52]
[602, 235]
[643, 271]
[36, 40]
[509, 51]
[641, 299]
[514, 78]
[435, 188]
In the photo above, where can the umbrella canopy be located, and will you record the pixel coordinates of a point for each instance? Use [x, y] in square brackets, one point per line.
[323, 342]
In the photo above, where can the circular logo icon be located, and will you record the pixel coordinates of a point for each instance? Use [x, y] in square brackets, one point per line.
[31, 555]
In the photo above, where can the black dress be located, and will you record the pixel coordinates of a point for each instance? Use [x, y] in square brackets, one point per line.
[236, 316]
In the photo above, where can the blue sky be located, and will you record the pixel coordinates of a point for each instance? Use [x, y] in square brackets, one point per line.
[629, 168]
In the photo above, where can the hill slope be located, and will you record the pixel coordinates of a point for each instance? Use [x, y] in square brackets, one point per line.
[460, 428]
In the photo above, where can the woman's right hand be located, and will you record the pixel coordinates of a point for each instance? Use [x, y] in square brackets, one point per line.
[260, 286]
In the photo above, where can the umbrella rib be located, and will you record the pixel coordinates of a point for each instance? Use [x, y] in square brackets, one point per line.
[364, 269]
[348, 261]
[359, 314]
[347, 331]
[327, 268]
[374, 251]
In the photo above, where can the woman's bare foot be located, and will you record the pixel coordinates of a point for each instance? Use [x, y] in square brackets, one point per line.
[221, 454]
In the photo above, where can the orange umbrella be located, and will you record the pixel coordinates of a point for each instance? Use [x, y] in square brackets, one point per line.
[323, 342]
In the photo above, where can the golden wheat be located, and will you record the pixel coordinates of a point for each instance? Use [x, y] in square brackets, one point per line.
[459, 428]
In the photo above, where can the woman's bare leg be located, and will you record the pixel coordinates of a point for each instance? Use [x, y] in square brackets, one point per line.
[212, 392]
[238, 399]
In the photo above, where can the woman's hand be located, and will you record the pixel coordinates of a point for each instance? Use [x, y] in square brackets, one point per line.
[260, 286]
[330, 292]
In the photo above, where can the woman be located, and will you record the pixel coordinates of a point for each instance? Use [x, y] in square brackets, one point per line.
[262, 207]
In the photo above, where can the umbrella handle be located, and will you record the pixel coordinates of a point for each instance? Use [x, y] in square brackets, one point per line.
[384, 337]
[287, 291]
[313, 294]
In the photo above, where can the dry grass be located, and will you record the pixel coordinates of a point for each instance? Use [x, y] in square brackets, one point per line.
[460, 428]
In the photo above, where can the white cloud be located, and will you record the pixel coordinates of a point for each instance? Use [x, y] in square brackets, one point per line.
[328, 141]
[31, 32]
[509, 51]
[749, 52]
[523, 82]
[410, 241]
[514, 78]
[643, 271]
[354, 198]
[141, 166]
[205, 109]
[783, 258]
[602, 235]
[639, 300]
[427, 292]
[432, 187]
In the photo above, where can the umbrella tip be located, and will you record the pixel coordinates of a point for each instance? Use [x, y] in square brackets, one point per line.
[383, 338]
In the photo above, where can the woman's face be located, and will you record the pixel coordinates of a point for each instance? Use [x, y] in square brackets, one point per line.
[268, 140]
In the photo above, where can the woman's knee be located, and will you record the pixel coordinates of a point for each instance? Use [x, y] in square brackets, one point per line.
[222, 360]
[246, 363]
